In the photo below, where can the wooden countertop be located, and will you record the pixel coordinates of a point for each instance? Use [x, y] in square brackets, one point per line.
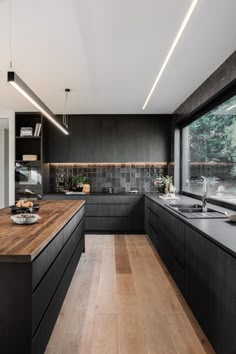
[22, 243]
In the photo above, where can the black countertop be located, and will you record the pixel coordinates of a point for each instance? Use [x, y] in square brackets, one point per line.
[220, 231]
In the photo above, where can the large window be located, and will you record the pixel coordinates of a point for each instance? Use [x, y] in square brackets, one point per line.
[209, 150]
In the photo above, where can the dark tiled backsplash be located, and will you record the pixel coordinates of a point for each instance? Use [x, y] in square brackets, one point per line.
[101, 177]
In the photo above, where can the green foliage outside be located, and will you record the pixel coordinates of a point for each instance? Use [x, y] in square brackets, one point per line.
[212, 138]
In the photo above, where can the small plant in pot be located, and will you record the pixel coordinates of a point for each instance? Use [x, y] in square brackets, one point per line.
[78, 182]
[168, 181]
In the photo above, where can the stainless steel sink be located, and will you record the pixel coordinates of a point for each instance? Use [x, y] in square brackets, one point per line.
[194, 211]
[185, 206]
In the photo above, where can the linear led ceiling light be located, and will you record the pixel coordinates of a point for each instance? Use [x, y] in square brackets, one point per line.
[228, 109]
[16, 81]
[174, 44]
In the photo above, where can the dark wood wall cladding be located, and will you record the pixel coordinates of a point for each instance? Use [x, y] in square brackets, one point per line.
[110, 138]
[222, 78]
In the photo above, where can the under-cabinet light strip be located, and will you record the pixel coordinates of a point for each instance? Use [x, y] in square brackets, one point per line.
[12, 77]
[127, 164]
[174, 44]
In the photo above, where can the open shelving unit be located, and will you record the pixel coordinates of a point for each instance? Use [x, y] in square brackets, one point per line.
[28, 145]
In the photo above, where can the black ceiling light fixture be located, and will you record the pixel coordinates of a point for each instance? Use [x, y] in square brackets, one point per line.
[65, 115]
[26, 91]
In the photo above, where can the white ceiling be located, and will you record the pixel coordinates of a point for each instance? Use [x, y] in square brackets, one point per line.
[109, 52]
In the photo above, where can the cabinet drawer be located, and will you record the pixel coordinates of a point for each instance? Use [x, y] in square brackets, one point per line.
[73, 223]
[178, 275]
[46, 257]
[109, 199]
[108, 209]
[44, 292]
[107, 223]
[45, 328]
[153, 219]
[156, 209]
[154, 235]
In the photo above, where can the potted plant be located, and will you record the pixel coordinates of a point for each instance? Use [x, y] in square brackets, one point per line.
[168, 181]
[78, 182]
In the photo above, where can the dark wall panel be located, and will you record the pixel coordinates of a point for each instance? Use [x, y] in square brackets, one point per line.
[210, 88]
[110, 138]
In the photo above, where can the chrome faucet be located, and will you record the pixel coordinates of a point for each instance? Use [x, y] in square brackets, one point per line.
[204, 194]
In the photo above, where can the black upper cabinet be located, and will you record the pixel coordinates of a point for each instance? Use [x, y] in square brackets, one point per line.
[55, 144]
[110, 138]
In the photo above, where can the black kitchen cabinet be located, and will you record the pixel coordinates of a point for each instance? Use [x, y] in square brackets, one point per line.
[111, 212]
[115, 213]
[203, 271]
[109, 138]
[33, 292]
[211, 290]
[168, 235]
[156, 230]
[55, 145]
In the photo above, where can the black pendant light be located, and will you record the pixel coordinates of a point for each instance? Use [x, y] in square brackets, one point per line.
[26, 91]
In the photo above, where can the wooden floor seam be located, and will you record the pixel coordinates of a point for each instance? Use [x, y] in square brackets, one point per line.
[122, 300]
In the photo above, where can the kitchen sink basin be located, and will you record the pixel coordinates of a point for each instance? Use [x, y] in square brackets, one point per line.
[185, 206]
[194, 211]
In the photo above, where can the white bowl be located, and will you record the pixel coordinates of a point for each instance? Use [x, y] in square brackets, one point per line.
[25, 219]
[232, 217]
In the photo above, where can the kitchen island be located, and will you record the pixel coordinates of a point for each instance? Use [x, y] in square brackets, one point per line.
[37, 263]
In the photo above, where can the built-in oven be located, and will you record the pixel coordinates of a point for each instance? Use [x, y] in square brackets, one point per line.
[28, 175]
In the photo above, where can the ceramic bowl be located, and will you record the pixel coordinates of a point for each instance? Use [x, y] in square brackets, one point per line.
[25, 219]
[231, 216]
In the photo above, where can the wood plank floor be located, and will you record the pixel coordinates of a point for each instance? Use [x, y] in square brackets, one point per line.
[123, 301]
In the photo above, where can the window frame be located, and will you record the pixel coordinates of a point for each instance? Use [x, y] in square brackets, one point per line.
[219, 98]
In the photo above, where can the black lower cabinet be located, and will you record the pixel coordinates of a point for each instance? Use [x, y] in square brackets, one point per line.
[32, 293]
[204, 272]
[45, 328]
[167, 235]
[111, 213]
[211, 290]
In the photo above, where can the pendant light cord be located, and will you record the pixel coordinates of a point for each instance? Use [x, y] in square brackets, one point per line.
[10, 41]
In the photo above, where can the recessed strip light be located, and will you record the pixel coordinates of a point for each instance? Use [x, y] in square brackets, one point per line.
[118, 164]
[174, 44]
[228, 109]
[21, 87]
